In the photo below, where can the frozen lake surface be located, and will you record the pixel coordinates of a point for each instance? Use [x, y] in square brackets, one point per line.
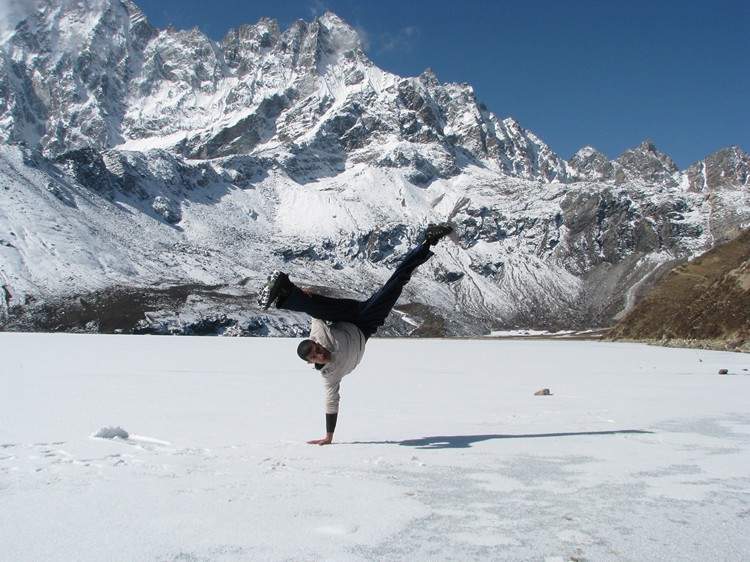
[442, 451]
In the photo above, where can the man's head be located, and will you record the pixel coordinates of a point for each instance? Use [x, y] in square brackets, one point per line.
[312, 352]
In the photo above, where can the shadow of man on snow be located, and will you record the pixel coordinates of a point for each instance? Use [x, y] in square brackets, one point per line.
[466, 441]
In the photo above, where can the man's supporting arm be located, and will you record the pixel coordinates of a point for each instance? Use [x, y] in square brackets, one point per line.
[331, 420]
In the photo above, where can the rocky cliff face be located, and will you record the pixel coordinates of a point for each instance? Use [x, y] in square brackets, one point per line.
[139, 161]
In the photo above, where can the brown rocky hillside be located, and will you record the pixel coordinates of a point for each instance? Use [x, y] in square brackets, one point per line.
[703, 303]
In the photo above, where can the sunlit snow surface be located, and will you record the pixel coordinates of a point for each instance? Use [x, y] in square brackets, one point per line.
[442, 452]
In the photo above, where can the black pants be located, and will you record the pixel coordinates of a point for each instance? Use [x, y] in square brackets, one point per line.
[367, 315]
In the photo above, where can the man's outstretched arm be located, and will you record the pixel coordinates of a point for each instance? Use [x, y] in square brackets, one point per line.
[331, 420]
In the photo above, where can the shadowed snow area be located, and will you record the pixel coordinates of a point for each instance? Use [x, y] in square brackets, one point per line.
[159, 448]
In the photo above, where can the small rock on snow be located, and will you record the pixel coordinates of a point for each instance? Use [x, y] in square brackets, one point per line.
[111, 433]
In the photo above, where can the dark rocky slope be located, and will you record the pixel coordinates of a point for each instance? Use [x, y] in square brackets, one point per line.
[703, 303]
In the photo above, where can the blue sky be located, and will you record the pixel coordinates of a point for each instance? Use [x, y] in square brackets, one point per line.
[605, 73]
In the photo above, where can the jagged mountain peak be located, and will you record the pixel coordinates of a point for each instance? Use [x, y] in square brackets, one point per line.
[647, 146]
[429, 78]
[646, 164]
[647, 149]
[263, 34]
[729, 168]
[643, 164]
[589, 164]
[346, 34]
[327, 35]
[587, 152]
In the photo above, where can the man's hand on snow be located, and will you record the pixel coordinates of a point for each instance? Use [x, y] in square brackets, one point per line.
[327, 441]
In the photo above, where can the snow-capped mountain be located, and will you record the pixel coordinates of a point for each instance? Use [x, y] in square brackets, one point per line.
[153, 178]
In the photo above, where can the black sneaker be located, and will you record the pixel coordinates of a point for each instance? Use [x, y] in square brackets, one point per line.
[278, 286]
[435, 232]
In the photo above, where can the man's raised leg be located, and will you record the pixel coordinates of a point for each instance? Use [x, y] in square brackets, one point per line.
[375, 310]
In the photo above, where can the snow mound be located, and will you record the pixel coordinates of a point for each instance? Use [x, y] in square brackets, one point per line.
[111, 433]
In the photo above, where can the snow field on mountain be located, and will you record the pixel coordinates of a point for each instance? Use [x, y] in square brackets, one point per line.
[512, 257]
[442, 451]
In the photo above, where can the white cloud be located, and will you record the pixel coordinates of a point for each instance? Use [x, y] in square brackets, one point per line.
[318, 8]
[364, 38]
[403, 40]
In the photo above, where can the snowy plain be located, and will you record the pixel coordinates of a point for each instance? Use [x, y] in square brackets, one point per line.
[442, 451]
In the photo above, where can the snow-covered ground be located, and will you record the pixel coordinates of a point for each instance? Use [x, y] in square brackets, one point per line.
[442, 452]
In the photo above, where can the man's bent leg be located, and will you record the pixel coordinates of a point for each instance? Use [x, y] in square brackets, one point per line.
[319, 306]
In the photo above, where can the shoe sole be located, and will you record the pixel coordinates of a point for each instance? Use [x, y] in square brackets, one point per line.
[437, 236]
[270, 291]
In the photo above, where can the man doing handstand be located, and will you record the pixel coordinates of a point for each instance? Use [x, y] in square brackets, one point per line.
[340, 327]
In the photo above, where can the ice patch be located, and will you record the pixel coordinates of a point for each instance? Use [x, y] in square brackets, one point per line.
[337, 530]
